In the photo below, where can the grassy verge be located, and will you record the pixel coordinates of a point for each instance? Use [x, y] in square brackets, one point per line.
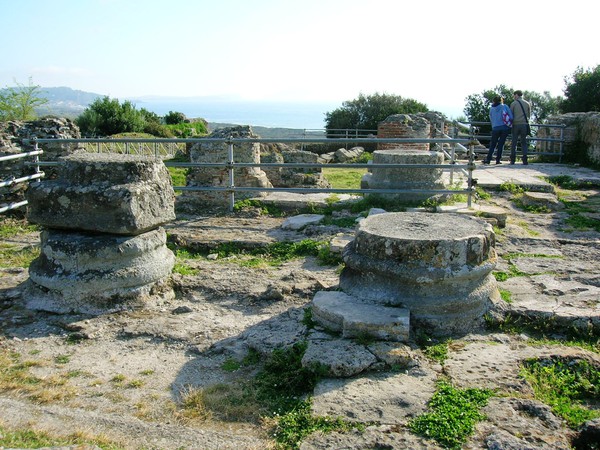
[570, 387]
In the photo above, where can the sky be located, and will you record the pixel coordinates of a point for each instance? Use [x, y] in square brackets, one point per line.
[323, 51]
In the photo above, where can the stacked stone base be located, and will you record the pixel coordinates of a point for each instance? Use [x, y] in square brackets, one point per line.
[103, 249]
[438, 267]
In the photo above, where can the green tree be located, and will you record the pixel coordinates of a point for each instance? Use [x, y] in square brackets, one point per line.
[105, 117]
[582, 91]
[19, 103]
[365, 112]
[477, 106]
[174, 118]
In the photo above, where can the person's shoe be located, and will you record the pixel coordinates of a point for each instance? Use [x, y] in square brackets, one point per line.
[525, 164]
[498, 162]
[487, 163]
[512, 163]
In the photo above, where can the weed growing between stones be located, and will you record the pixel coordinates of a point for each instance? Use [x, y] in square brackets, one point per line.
[546, 331]
[453, 415]
[272, 254]
[277, 396]
[564, 385]
[10, 227]
[12, 256]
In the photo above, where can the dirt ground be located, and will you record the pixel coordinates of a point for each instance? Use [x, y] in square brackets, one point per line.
[122, 375]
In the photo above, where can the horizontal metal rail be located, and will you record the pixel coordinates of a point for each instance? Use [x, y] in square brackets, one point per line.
[230, 165]
[13, 180]
[20, 155]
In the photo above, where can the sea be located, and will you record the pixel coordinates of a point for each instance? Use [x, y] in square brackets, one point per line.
[296, 115]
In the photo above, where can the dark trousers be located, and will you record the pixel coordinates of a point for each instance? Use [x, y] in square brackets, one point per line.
[519, 134]
[499, 136]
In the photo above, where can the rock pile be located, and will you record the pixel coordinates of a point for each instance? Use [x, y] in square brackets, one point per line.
[103, 248]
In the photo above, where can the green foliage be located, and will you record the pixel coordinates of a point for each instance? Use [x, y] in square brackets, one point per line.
[106, 117]
[437, 352]
[454, 414]
[582, 91]
[477, 106]
[365, 112]
[565, 385]
[298, 423]
[187, 129]
[511, 187]
[19, 103]
[174, 118]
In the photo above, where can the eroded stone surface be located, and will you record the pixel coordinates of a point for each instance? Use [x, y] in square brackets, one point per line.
[108, 193]
[436, 265]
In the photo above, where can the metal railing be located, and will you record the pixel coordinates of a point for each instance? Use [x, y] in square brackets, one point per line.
[37, 175]
[533, 139]
[230, 164]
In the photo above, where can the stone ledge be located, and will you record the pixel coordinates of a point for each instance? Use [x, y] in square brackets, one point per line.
[340, 312]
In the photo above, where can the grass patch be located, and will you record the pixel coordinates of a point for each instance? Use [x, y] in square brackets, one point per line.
[15, 377]
[437, 352]
[275, 396]
[10, 227]
[565, 385]
[29, 438]
[453, 416]
[344, 178]
[505, 295]
[12, 256]
[511, 187]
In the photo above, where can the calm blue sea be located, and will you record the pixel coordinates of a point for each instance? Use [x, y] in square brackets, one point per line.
[265, 114]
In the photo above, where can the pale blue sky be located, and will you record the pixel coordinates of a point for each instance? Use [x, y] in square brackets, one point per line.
[436, 51]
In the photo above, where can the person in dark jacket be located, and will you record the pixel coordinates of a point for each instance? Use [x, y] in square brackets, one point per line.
[501, 118]
[521, 113]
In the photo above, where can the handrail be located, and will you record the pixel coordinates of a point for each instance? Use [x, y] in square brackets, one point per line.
[37, 175]
[231, 165]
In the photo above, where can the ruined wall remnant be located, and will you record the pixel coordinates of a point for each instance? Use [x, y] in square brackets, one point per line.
[292, 177]
[581, 135]
[13, 137]
[217, 152]
[103, 248]
[404, 126]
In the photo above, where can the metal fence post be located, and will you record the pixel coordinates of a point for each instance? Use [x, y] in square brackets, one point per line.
[231, 174]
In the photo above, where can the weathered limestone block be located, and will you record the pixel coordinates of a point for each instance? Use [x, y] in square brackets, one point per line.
[339, 312]
[439, 266]
[218, 152]
[99, 273]
[291, 177]
[108, 193]
[405, 178]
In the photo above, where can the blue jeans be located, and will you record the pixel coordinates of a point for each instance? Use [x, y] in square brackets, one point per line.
[519, 134]
[499, 135]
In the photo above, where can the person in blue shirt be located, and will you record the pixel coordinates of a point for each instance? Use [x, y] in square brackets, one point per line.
[501, 118]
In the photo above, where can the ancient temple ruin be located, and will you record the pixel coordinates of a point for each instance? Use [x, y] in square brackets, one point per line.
[413, 271]
[102, 247]
[405, 178]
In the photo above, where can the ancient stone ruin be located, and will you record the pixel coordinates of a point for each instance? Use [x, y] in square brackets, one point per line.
[15, 138]
[413, 272]
[405, 178]
[218, 152]
[103, 248]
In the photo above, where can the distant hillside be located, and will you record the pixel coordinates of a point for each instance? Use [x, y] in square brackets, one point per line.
[271, 133]
[65, 102]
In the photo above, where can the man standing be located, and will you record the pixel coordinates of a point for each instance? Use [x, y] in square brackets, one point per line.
[521, 113]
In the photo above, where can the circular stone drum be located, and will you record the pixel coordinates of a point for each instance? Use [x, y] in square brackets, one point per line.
[436, 265]
[99, 273]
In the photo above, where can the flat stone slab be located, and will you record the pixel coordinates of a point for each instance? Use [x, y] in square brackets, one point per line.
[477, 210]
[545, 199]
[300, 221]
[342, 358]
[107, 193]
[340, 312]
